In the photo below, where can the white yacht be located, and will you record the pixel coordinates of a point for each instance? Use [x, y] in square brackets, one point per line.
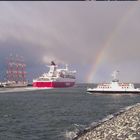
[114, 86]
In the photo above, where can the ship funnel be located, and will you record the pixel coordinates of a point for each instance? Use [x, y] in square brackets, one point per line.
[52, 63]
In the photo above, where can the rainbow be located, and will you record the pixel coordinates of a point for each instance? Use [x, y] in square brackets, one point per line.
[108, 43]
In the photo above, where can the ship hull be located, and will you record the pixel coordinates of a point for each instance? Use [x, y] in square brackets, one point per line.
[15, 85]
[53, 84]
[113, 91]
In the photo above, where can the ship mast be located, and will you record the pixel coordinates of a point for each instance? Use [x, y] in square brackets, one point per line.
[9, 72]
[114, 75]
[17, 68]
[23, 73]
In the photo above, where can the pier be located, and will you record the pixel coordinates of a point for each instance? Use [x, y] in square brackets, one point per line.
[125, 125]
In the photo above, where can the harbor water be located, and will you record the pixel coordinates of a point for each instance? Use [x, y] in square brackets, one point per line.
[55, 114]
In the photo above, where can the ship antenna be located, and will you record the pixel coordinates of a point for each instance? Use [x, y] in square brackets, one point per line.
[66, 66]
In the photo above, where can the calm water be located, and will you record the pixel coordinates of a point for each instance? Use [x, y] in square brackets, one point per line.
[49, 114]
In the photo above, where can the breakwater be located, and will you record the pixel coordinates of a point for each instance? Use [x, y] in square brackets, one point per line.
[122, 125]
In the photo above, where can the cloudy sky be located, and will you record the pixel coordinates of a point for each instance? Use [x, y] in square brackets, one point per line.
[94, 38]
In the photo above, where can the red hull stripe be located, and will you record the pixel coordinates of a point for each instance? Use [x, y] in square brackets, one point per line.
[53, 84]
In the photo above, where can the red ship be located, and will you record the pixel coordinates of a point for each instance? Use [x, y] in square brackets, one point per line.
[55, 78]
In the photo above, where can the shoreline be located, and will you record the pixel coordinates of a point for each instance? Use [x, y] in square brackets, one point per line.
[115, 126]
[21, 89]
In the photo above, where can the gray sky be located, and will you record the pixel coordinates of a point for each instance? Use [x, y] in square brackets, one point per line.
[76, 33]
